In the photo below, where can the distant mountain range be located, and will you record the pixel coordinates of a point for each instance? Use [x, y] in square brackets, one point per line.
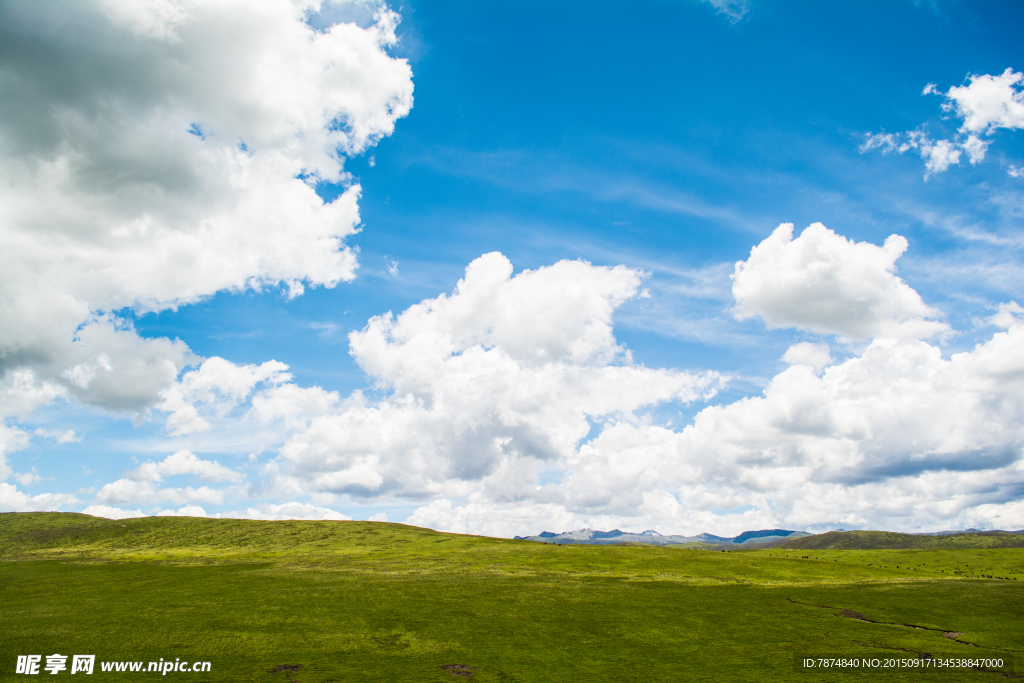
[747, 538]
[594, 537]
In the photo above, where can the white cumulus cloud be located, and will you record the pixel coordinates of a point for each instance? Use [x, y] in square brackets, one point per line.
[11, 439]
[111, 512]
[146, 162]
[134, 491]
[13, 500]
[184, 462]
[989, 102]
[492, 383]
[285, 511]
[185, 511]
[59, 435]
[216, 386]
[263, 511]
[896, 438]
[1007, 315]
[806, 353]
[508, 406]
[828, 284]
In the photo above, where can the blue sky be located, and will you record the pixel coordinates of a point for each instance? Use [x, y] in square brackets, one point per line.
[679, 147]
[667, 138]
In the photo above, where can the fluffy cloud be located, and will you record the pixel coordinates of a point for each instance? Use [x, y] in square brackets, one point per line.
[134, 491]
[59, 435]
[266, 511]
[805, 353]
[13, 500]
[985, 105]
[186, 511]
[28, 478]
[938, 155]
[897, 410]
[216, 386]
[11, 439]
[896, 437]
[495, 519]
[1008, 314]
[20, 394]
[289, 408]
[508, 406]
[112, 512]
[145, 162]
[657, 510]
[989, 102]
[825, 283]
[493, 383]
[184, 462]
[285, 511]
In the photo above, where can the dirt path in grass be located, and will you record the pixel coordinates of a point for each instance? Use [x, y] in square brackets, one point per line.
[947, 634]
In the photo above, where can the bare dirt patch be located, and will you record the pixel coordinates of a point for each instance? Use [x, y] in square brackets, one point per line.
[463, 670]
[854, 615]
[285, 668]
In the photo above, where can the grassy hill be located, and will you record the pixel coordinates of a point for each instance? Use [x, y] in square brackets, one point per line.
[303, 602]
[865, 540]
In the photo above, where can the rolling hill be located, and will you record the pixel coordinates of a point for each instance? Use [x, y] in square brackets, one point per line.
[871, 540]
[319, 602]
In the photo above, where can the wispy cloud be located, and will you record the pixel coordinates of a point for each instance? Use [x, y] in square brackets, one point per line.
[542, 174]
[328, 330]
[59, 435]
[985, 105]
[733, 10]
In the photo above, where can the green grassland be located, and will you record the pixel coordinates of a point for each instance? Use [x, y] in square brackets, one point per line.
[861, 540]
[366, 601]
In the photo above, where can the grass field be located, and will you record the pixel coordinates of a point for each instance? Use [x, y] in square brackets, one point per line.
[364, 601]
[861, 540]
